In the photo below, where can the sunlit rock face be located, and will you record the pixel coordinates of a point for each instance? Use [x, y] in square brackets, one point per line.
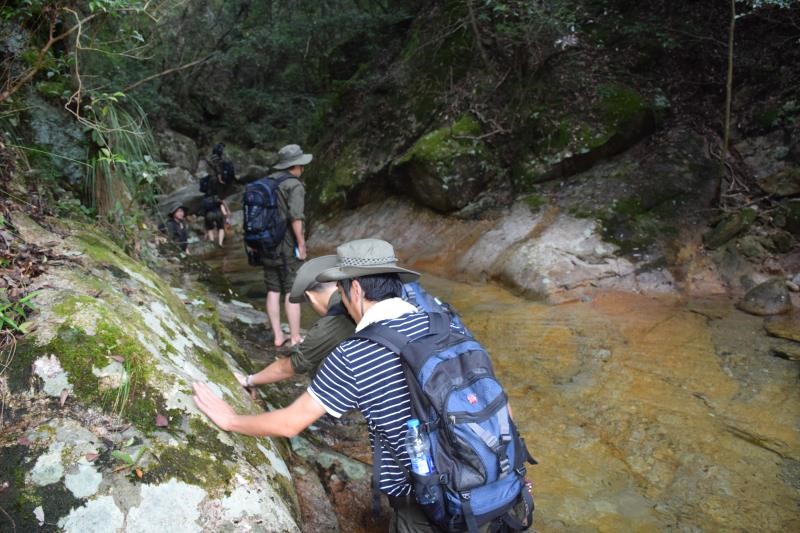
[539, 253]
[100, 432]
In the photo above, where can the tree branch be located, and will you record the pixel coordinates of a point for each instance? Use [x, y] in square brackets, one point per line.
[474, 24]
[39, 63]
[165, 72]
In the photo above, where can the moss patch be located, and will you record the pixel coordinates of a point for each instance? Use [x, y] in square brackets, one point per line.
[447, 143]
[79, 353]
[201, 462]
[19, 499]
[619, 105]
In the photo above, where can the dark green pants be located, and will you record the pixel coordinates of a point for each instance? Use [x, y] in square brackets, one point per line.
[408, 517]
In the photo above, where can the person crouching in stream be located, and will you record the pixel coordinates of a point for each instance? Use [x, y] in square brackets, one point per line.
[358, 375]
[333, 326]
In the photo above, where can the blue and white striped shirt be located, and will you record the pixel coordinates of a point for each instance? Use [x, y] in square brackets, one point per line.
[360, 374]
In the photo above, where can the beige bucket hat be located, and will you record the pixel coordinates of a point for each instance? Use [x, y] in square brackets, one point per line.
[365, 257]
[291, 155]
[307, 276]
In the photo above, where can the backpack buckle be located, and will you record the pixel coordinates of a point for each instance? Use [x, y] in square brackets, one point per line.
[465, 495]
[504, 465]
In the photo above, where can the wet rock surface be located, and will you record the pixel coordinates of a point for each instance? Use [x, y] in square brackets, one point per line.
[768, 298]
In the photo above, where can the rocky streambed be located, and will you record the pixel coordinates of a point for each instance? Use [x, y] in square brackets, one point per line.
[648, 410]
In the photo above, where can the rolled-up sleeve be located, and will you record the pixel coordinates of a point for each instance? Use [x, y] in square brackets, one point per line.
[321, 339]
[296, 200]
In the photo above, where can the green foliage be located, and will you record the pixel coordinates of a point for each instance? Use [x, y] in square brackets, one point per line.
[270, 66]
[13, 313]
[123, 172]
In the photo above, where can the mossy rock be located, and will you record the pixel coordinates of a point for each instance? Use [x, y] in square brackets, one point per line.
[575, 143]
[790, 212]
[783, 183]
[728, 228]
[446, 168]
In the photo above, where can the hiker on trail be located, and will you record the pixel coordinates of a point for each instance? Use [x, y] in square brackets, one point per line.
[215, 162]
[177, 230]
[221, 170]
[362, 374]
[282, 263]
[333, 326]
[216, 214]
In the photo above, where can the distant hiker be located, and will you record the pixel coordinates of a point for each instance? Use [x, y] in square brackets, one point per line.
[177, 229]
[215, 213]
[475, 445]
[280, 261]
[221, 170]
[215, 162]
[333, 326]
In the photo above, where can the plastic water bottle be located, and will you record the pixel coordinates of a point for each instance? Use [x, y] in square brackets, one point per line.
[418, 447]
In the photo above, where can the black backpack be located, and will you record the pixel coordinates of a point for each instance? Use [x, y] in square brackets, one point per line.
[210, 203]
[204, 182]
[476, 450]
[228, 172]
[264, 224]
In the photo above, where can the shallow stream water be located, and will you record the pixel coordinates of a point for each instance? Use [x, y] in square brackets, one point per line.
[645, 413]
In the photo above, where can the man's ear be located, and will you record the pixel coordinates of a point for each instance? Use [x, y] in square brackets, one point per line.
[355, 289]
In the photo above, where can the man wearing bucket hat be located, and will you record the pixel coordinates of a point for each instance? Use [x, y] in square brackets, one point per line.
[333, 326]
[359, 374]
[281, 267]
[177, 229]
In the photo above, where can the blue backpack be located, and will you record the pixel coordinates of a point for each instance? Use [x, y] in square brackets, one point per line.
[264, 224]
[478, 455]
[414, 294]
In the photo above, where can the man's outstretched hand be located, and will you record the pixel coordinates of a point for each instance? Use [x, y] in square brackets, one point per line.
[213, 406]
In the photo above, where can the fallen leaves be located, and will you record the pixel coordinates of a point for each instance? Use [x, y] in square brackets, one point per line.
[161, 421]
[64, 396]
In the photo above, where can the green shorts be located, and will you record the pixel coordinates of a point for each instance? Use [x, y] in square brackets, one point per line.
[279, 278]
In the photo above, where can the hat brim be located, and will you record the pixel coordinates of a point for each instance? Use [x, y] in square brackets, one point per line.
[307, 276]
[300, 160]
[175, 209]
[340, 273]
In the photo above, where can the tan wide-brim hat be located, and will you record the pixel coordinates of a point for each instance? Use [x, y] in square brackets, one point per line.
[307, 276]
[291, 155]
[365, 257]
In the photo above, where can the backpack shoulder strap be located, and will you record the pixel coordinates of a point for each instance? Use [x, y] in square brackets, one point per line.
[385, 336]
[397, 343]
[440, 322]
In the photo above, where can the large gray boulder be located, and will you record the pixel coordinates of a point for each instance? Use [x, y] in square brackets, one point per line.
[175, 178]
[177, 150]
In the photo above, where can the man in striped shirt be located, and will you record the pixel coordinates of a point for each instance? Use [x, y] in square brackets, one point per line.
[358, 374]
